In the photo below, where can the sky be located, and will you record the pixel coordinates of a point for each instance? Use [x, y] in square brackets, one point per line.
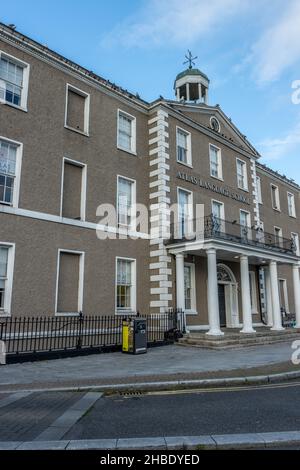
[250, 49]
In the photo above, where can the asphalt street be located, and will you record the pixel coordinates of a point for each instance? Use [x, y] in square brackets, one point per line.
[192, 413]
[210, 412]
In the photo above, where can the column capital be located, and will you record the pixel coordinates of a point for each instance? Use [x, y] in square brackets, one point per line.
[244, 257]
[272, 263]
[179, 255]
[211, 251]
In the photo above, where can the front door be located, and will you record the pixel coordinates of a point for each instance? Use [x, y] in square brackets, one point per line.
[222, 305]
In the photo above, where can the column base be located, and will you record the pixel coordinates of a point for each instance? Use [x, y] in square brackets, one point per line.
[215, 333]
[248, 330]
[277, 328]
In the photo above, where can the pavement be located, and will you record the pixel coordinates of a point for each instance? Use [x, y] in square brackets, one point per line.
[83, 402]
[169, 365]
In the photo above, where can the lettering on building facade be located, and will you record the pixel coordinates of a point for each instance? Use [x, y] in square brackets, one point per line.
[213, 187]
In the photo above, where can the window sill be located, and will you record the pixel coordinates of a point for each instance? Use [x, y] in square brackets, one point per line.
[217, 178]
[125, 313]
[75, 314]
[78, 131]
[246, 190]
[191, 312]
[275, 209]
[189, 165]
[293, 216]
[131, 152]
[5, 315]
[20, 108]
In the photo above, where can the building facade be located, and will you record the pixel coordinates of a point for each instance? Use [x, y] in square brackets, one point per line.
[220, 235]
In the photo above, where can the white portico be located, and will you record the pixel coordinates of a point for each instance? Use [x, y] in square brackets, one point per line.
[217, 254]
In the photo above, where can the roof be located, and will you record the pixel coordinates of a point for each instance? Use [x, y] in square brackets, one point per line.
[278, 175]
[38, 48]
[188, 72]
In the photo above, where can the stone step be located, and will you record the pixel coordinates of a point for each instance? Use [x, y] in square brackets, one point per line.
[258, 334]
[238, 341]
[245, 339]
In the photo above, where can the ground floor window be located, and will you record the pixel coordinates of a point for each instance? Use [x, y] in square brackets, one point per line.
[283, 296]
[6, 269]
[70, 274]
[126, 291]
[189, 287]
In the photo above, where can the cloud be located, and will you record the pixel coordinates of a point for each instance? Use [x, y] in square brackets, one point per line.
[172, 22]
[276, 149]
[278, 48]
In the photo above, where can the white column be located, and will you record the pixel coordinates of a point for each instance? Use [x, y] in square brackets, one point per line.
[246, 297]
[296, 280]
[188, 92]
[200, 92]
[277, 320]
[206, 96]
[178, 94]
[180, 284]
[212, 295]
[269, 297]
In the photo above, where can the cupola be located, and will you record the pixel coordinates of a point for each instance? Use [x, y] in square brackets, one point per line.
[191, 85]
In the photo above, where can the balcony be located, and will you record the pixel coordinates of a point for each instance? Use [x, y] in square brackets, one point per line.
[213, 228]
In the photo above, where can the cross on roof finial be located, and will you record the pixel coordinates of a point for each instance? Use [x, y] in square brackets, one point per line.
[190, 59]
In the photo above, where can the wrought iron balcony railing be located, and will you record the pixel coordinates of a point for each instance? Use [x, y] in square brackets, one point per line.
[211, 227]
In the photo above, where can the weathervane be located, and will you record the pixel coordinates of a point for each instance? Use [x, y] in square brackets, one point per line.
[190, 59]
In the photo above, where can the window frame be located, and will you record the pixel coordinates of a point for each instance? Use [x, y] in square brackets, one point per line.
[249, 222]
[188, 162]
[245, 174]
[279, 229]
[277, 197]
[261, 230]
[81, 273]
[285, 289]
[222, 205]
[132, 226]
[296, 235]
[193, 309]
[86, 117]
[26, 73]
[292, 195]
[132, 118]
[190, 214]
[220, 165]
[83, 186]
[17, 179]
[133, 293]
[6, 312]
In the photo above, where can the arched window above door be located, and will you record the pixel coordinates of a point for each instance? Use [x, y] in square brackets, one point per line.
[225, 274]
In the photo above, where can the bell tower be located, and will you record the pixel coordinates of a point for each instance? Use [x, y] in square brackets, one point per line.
[191, 85]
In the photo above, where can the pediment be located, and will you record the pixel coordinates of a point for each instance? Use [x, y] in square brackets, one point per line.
[204, 114]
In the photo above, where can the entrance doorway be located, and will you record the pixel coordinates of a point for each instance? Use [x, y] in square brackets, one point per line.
[228, 297]
[222, 305]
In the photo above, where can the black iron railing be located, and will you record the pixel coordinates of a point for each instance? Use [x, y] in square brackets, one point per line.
[211, 227]
[34, 337]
